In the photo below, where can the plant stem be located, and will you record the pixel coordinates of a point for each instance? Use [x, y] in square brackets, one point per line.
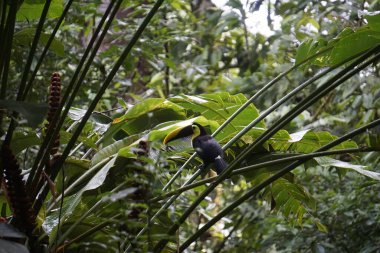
[253, 123]
[28, 64]
[279, 174]
[87, 233]
[46, 48]
[85, 215]
[80, 180]
[58, 118]
[244, 106]
[317, 94]
[6, 48]
[265, 164]
[33, 49]
[103, 88]
[236, 226]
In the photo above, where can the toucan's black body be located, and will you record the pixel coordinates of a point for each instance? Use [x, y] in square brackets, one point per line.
[206, 147]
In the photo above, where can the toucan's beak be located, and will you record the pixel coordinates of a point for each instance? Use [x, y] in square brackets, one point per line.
[179, 133]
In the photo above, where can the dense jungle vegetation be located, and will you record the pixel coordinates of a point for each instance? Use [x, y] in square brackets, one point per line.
[90, 89]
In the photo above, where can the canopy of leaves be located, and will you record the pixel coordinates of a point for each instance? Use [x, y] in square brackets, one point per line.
[295, 109]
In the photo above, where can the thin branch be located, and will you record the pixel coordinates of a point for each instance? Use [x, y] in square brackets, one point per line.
[246, 169]
[236, 226]
[88, 233]
[6, 47]
[52, 133]
[46, 48]
[96, 206]
[242, 108]
[103, 88]
[28, 64]
[242, 132]
[320, 92]
[167, 68]
[268, 181]
[33, 49]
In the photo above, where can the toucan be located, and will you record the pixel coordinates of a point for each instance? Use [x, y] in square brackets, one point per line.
[206, 147]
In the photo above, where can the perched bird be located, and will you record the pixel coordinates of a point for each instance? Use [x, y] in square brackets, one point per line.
[206, 147]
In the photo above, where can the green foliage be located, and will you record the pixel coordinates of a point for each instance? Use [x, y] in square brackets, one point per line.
[33, 113]
[195, 63]
[25, 37]
[373, 21]
[23, 140]
[31, 10]
[347, 44]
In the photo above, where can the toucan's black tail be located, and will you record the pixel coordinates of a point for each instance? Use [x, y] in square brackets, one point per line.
[220, 165]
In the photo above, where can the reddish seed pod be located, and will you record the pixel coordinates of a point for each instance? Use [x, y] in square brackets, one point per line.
[20, 202]
[54, 102]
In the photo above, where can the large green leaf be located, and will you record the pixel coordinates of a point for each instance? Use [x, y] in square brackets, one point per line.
[65, 137]
[330, 162]
[373, 19]
[143, 116]
[347, 44]
[353, 42]
[99, 177]
[22, 140]
[147, 106]
[74, 168]
[284, 195]
[290, 198]
[25, 37]
[159, 132]
[34, 113]
[76, 114]
[306, 141]
[149, 120]
[31, 10]
[219, 107]
[71, 202]
[308, 48]
[113, 149]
